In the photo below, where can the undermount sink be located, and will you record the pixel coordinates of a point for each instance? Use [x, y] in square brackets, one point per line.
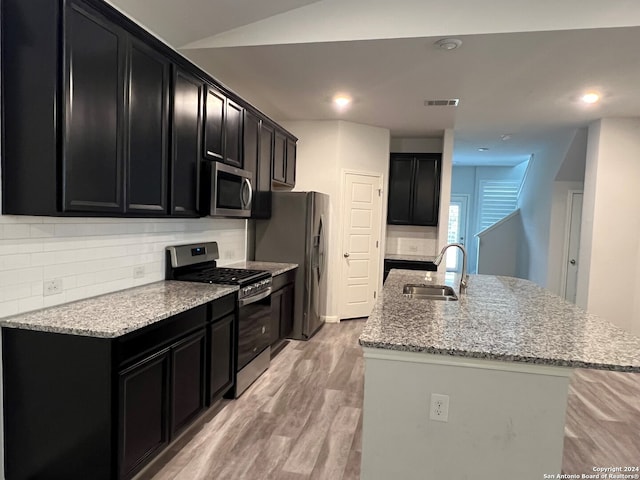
[430, 292]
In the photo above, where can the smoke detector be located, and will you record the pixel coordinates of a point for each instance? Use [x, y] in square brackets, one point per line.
[448, 43]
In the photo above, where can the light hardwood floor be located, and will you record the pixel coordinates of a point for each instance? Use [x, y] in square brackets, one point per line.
[303, 420]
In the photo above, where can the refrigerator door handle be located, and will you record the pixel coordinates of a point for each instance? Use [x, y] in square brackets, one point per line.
[321, 249]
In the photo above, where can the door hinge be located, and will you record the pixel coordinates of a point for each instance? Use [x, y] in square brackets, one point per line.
[377, 243]
[374, 294]
[379, 192]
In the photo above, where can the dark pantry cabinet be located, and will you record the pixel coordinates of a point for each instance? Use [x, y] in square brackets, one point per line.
[102, 408]
[414, 189]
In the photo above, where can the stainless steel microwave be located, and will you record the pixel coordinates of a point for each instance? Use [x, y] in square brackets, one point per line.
[231, 191]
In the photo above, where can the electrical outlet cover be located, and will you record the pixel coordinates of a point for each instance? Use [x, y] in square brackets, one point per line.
[439, 410]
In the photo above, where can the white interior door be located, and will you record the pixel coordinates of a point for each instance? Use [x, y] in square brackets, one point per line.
[573, 245]
[457, 230]
[361, 213]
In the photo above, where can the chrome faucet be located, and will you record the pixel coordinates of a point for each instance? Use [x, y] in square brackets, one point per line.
[464, 280]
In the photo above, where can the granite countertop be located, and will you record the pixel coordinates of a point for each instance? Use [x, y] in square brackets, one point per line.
[409, 257]
[499, 318]
[115, 314]
[273, 267]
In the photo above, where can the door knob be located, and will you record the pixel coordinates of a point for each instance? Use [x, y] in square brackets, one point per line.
[572, 261]
[346, 255]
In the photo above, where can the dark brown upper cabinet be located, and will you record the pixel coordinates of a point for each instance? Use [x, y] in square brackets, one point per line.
[94, 111]
[290, 175]
[414, 189]
[258, 154]
[233, 134]
[99, 116]
[214, 125]
[187, 121]
[148, 129]
[222, 129]
[280, 157]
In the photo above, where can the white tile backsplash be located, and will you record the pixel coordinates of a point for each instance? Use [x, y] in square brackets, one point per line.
[412, 240]
[93, 256]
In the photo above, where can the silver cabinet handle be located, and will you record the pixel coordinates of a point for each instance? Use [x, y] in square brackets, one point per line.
[346, 255]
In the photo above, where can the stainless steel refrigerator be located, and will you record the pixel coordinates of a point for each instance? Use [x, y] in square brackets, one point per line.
[297, 233]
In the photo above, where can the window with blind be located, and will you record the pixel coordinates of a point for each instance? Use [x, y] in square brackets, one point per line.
[498, 198]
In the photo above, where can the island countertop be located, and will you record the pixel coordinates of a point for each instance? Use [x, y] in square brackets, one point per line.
[115, 314]
[498, 318]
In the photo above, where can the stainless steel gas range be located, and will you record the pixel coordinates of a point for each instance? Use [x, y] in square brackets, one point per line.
[197, 263]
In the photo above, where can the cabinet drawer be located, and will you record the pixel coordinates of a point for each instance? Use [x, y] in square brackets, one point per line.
[222, 307]
[142, 342]
[283, 279]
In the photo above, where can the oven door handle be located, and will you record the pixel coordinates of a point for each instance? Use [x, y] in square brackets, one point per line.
[255, 298]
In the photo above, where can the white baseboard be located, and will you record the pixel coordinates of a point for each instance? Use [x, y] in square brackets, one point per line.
[331, 318]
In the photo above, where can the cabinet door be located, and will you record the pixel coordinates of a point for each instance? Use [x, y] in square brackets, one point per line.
[286, 311]
[187, 103]
[251, 147]
[148, 124]
[263, 185]
[233, 135]
[143, 412]
[279, 157]
[222, 353]
[93, 146]
[276, 315]
[213, 125]
[426, 197]
[290, 177]
[187, 380]
[400, 190]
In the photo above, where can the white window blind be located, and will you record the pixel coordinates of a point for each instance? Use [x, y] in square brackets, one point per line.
[498, 198]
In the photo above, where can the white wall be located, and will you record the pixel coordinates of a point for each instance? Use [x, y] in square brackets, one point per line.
[611, 224]
[535, 203]
[445, 191]
[499, 247]
[325, 150]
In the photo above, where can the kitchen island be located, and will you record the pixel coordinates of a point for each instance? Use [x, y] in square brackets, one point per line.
[503, 354]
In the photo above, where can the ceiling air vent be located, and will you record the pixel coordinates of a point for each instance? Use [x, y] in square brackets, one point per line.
[451, 102]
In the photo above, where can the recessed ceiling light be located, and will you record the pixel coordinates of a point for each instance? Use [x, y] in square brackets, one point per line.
[590, 97]
[483, 149]
[448, 43]
[341, 101]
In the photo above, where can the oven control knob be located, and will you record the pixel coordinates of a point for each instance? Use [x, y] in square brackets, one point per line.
[264, 330]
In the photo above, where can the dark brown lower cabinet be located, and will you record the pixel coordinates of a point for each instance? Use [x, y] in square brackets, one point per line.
[103, 408]
[282, 299]
[187, 380]
[143, 418]
[222, 348]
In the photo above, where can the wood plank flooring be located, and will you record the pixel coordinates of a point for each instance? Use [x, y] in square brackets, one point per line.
[302, 420]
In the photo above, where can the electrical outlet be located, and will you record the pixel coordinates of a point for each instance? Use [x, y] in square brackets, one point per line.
[138, 272]
[52, 287]
[439, 410]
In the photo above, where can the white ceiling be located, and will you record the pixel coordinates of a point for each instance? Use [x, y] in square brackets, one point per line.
[522, 81]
